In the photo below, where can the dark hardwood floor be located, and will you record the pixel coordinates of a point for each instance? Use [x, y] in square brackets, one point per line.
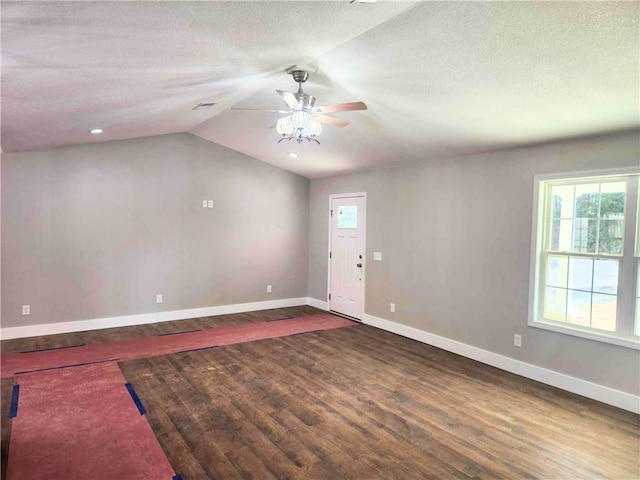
[360, 403]
[124, 333]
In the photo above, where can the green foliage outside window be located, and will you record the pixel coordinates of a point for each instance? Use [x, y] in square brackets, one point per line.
[608, 208]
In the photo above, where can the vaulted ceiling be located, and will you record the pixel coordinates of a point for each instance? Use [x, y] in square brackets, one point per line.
[440, 79]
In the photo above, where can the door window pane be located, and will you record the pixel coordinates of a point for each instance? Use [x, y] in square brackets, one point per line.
[348, 217]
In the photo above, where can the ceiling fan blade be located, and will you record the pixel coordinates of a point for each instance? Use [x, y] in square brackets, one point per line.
[336, 122]
[259, 110]
[342, 107]
[290, 99]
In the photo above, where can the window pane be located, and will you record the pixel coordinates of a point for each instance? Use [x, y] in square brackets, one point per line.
[585, 235]
[560, 218]
[560, 237]
[638, 226]
[562, 201]
[611, 233]
[555, 304]
[613, 197]
[348, 217]
[557, 271]
[554, 236]
[587, 200]
[580, 273]
[556, 206]
[579, 307]
[611, 226]
[603, 315]
[605, 276]
[637, 328]
[585, 227]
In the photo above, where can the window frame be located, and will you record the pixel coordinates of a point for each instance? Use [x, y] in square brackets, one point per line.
[628, 260]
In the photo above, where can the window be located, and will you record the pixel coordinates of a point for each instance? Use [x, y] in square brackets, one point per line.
[637, 252]
[348, 217]
[586, 257]
[637, 329]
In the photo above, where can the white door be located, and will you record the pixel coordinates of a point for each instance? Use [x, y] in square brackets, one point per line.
[347, 256]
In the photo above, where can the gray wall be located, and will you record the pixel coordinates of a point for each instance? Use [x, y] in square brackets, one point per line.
[456, 241]
[98, 230]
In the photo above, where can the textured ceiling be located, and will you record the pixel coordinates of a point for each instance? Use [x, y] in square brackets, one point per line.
[440, 78]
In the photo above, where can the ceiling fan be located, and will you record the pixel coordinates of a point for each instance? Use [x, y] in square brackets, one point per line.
[303, 117]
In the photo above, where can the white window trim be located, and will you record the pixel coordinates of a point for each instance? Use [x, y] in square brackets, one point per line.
[537, 217]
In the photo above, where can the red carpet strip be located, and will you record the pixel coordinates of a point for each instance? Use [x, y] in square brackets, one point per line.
[145, 347]
[82, 423]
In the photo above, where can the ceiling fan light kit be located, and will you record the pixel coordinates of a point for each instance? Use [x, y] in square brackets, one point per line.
[304, 119]
[300, 125]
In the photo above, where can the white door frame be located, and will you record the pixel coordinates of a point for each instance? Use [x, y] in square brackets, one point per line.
[364, 248]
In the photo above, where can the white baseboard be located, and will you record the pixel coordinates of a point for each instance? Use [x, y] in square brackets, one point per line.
[129, 320]
[587, 389]
[314, 302]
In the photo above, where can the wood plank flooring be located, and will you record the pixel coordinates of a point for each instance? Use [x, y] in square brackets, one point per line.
[360, 403]
[124, 333]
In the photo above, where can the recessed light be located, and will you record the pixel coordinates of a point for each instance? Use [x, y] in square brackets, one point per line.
[96, 131]
[293, 155]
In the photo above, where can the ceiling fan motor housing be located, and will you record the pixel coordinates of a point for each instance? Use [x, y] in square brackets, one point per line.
[300, 76]
[306, 101]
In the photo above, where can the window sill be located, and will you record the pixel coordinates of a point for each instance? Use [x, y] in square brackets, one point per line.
[628, 342]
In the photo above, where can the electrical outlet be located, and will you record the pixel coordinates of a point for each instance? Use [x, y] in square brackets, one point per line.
[517, 340]
[377, 256]
[268, 288]
[158, 298]
[392, 307]
[26, 309]
[210, 203]
[204, 204]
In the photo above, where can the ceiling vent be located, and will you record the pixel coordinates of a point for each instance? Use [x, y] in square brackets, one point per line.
[204, 105]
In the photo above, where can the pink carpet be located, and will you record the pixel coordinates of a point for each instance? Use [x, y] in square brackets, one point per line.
[15, 363]
[79, 424]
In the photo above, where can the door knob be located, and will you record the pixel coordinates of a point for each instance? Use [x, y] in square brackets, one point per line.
[359, 265]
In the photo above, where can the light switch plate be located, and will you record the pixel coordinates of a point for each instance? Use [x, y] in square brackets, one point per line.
[204, 204]
[377, 256]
